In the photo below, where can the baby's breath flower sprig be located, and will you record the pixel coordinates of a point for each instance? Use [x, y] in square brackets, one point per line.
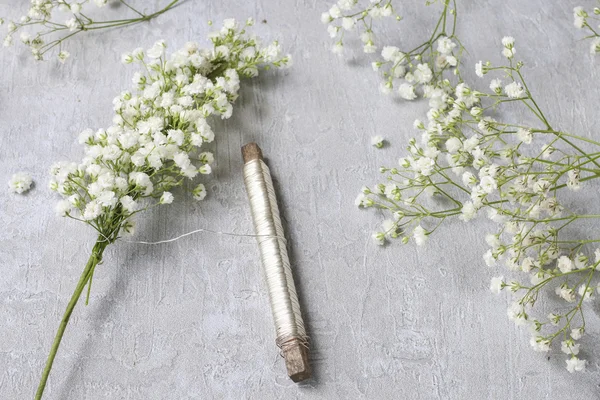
[156, 139]
[48, 24]
[584, 20]
[423, 69]
[519, 173]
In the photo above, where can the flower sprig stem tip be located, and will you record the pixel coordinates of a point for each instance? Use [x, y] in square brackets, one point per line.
[85, 279]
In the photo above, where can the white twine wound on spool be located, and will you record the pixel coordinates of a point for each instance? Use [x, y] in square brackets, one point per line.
[272, 244]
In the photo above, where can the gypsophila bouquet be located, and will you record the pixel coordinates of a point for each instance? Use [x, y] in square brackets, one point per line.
[49, 23]
[156, 139]
[583, 20]
[420, 70]
[517, 173]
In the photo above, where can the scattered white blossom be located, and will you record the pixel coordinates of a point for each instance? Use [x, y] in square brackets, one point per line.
[166, 198]
[595, 46]
[569, 347]
[514, 90]
[63, 56]
[479, 69]
[496, 284]
[580, 16]
[420, 235]
[445, 45]
[565, 264]
[468, 211]
[584, 20]
[509, 49]
[377, 141]
[379, 238]
[586, 293]
[574, 364]
[515, 313]
[540, 344]
[20, 182]
[407, 91]
[565, 293]
[338, 48]
[573, 181]
[496, 86]
[199, 192]
[576, 333]
[524, 135]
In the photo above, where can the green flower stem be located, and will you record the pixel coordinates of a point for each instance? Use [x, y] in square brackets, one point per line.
[91, 25]
[131, 8]
[86, 275]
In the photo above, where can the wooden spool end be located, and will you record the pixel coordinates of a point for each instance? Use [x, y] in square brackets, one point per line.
[295, 353]
[251, 151]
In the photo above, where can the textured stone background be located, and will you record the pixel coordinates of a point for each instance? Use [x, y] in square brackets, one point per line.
[190, 319]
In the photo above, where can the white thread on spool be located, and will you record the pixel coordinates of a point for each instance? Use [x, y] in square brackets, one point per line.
[285, 307]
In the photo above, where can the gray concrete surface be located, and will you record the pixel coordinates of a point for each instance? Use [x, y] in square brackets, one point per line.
[190, 319]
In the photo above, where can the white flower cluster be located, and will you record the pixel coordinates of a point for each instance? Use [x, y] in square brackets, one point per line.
[20, 183]
[48, 23]
[584, 20]
[513, 171]
[409, 72]
[159, 129]
[348, 15]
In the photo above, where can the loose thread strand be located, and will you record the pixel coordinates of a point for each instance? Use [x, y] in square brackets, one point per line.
[198, 231]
